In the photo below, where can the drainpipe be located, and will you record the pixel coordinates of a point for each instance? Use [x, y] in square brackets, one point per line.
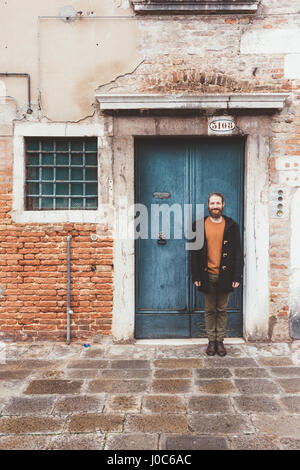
[26, 75]
[69, 311]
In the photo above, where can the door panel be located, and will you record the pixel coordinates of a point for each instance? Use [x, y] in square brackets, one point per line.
[161, 281]
[186, 170]
[218, 166]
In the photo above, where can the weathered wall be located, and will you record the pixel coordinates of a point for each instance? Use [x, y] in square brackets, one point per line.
[68, 61]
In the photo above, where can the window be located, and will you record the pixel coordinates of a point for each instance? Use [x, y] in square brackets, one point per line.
[61, 173]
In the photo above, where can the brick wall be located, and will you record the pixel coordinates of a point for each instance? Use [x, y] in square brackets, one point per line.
[33, 273]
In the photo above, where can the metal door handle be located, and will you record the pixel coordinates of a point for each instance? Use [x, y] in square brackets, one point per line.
[161, 239]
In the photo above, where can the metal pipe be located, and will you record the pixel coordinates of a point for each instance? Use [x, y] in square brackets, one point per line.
[69, 311]
[5, 74]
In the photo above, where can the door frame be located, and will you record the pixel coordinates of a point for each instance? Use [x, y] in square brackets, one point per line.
[120, 142]
[191, 147]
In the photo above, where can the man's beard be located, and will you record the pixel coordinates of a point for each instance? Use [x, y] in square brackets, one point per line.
[215, 213]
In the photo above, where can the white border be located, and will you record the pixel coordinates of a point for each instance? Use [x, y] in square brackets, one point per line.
[29, 129]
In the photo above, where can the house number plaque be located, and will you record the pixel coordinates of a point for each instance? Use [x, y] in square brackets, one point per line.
[221, 125]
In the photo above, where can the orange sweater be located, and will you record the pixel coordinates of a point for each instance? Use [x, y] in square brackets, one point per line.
[214, 237]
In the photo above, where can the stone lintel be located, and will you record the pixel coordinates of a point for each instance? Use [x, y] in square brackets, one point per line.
[195, 6]
[144, 102]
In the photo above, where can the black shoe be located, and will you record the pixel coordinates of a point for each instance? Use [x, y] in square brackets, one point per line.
[211, 348]
[221, 348]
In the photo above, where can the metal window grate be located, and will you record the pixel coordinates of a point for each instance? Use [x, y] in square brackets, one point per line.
[61, 173]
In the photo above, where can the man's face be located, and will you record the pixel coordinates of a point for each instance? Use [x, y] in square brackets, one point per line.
[215, 206]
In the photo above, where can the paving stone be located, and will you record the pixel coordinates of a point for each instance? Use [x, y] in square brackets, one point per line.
[38, 363]
[35, 351]
[53, 387]
[230, 362]
[132, 364]
[82, 373]
[215, 386]
[290, 385]
[278, 425]
[132, 441]
[178, 363]
[88, 364]
[290, 444]
[172, 373]
[144, 352]
[88, 441]
[123, 403]
[11, 387]
[48, 374]
[126, 374]
[255, 372]
[257, 404]
[286, 371]
[117, 351]
[91, 422]
[269, 349]
[30, 424]
[31, 442]
[176, 423]
[13, 352]
[192, 442]
[171, 385]
[3, 402]
[230, 403]
[208, 404]
[23, 406]
[180, 352]
[79, 403]
[63, 351]
[236, 350]
[219, 424]
[292, 403]
[215, 373]
[252, 443]
[9, 365]
[122, 386]
[256, 386]
[163, 404]
[14, 374]
[90, 353]
[274, 361]
[295, 356]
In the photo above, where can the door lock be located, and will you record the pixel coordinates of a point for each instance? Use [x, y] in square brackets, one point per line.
[161, 239]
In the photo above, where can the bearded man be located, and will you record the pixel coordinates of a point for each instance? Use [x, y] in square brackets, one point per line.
[217, 270]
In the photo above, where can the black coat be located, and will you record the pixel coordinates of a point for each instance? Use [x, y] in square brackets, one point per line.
[231, 265]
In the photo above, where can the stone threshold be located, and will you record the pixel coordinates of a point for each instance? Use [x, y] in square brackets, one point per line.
[185, 341]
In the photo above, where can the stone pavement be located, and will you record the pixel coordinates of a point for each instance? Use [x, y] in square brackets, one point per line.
[149, 396]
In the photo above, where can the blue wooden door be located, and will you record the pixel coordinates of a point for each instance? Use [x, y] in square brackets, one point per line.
[170, 173]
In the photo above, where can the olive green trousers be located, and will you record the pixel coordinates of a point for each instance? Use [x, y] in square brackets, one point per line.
[215, 310]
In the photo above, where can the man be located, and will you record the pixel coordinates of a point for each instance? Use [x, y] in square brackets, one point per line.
[217, 270]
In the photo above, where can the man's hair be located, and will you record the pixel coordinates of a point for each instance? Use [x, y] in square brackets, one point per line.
[215, 194]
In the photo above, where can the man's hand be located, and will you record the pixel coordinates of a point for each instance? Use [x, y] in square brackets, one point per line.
[197, 283]
[235, 284]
